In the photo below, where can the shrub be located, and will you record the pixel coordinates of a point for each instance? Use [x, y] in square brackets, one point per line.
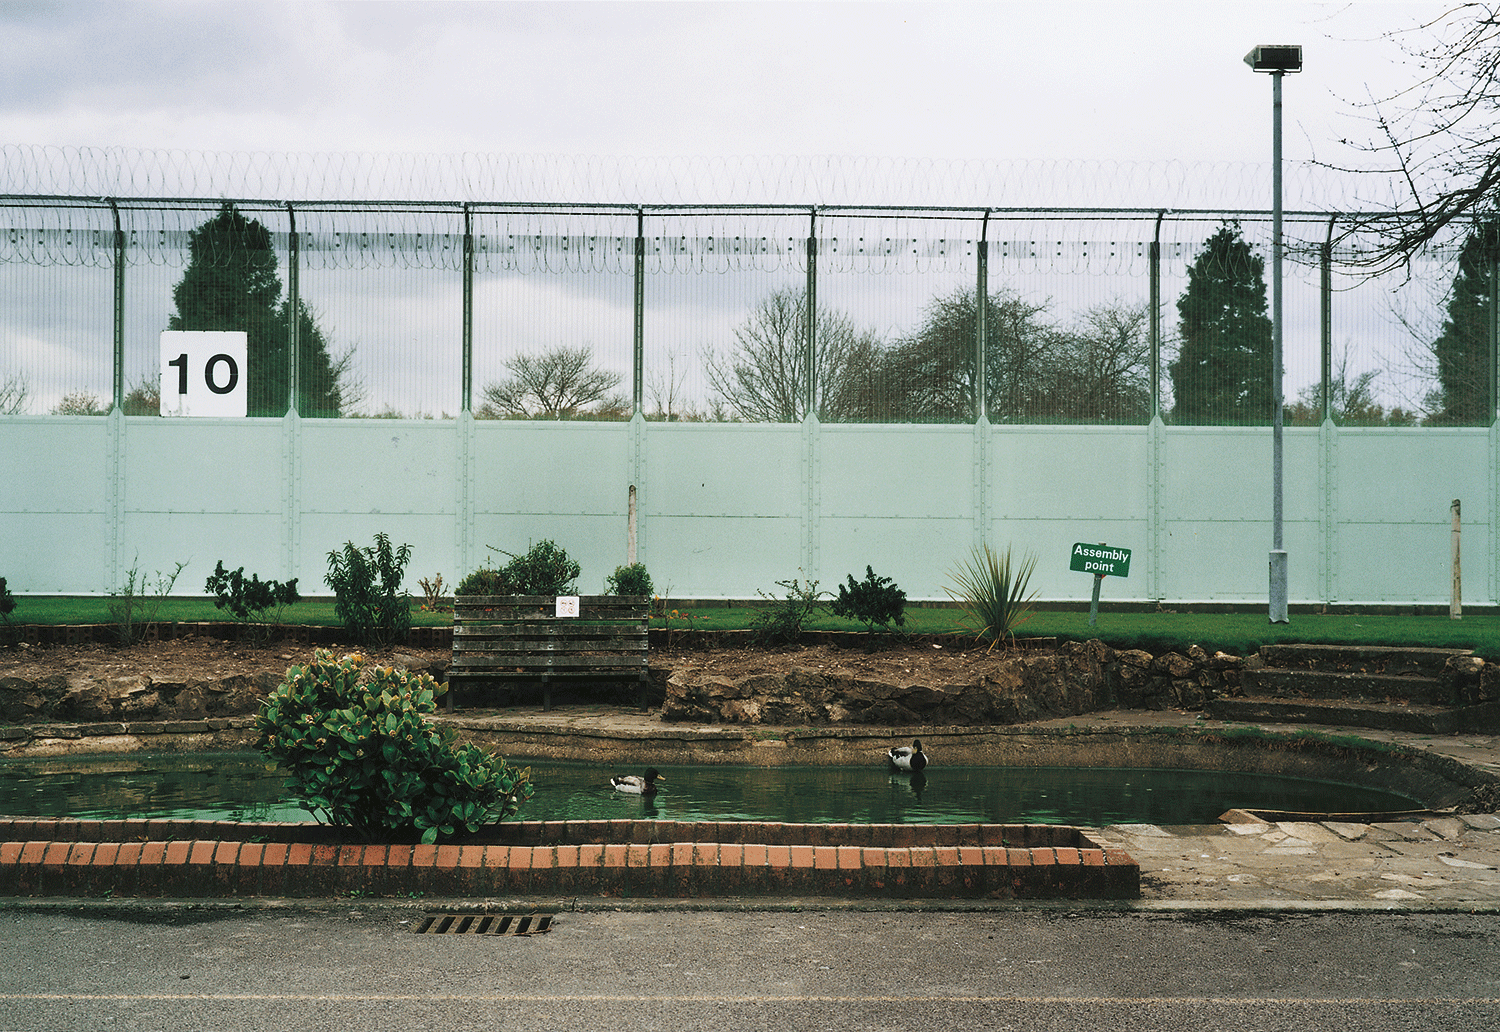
[133, 607]
[366, 583]
[782, 621]
[875, 600]
[362, 755]
[250, 600]
[484, 582]
[432, 593]
[8, 633]
[992, 592]
[544, 569]
[630, 580]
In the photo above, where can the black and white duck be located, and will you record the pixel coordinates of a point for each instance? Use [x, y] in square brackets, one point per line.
[634, 785]
[908, 757]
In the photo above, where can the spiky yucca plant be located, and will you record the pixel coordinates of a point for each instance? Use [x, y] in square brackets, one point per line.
[991, 590]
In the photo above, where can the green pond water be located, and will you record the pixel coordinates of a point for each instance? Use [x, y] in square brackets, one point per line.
[242, 786]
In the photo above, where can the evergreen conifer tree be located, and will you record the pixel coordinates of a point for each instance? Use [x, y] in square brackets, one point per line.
[232, 283]
[1222, 374]
[1462, 349]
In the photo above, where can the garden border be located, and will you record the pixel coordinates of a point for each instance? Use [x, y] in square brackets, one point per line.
[604, 858]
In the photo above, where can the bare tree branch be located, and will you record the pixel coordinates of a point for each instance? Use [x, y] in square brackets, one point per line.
[554, 384]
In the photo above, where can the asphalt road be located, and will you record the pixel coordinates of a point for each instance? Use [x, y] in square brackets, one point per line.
[349, 967]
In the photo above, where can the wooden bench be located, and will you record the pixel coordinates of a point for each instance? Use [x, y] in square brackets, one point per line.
[520, 639]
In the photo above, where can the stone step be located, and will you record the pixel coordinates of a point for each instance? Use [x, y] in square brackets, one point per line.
[1352, 686]
[1418, 718]
[1367, 659]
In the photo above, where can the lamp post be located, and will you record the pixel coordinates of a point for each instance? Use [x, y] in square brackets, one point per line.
[1277, 60]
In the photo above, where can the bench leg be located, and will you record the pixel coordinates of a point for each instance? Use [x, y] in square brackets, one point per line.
[546, 695]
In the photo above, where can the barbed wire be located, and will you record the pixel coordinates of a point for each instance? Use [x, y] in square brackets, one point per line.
[561, 213]
[816, 180]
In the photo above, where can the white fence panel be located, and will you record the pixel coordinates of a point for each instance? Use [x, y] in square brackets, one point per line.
[727, 509]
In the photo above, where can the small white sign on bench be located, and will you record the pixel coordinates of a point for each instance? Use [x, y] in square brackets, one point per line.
[567, 605]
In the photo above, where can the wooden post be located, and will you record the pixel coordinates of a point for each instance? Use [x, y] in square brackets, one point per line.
[1455, 607]
[630, 530]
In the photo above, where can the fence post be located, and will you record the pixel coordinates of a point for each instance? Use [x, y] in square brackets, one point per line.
[119, 313]
[466, 388]
[1327, 431]
[1325, 319]
[294, 305]
[1494, 338]
[638, 331]
[981, 317]
[1153, 261]
[117, 416]
[810, 346]
[1156, 430]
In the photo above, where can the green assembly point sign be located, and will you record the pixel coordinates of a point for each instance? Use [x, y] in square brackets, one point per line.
[1100, 560]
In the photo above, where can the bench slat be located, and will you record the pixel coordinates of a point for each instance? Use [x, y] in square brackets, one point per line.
[514, 639]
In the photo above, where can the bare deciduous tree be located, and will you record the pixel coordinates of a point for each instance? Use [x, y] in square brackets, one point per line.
[765, 378]
[1439, 137]
[553, 384]
[13, 394]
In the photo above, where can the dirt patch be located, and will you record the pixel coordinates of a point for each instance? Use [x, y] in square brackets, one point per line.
[898, 663]
[198, 658]
[179, 660]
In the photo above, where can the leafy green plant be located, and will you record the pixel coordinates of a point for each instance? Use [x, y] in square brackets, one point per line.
[544, 569]
[252, 601]
[991, 590]
[366, 583]
[630, 580]
[484, 581]
[7, 606]
[133, 608]
[361, 754]
[875, 601]
[784, 618]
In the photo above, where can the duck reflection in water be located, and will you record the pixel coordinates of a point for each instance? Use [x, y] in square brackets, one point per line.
[916, 782]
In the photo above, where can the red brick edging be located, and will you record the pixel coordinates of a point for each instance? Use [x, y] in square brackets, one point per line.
[603, 858]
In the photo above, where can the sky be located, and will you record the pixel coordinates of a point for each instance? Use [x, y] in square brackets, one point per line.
[719, 102]
[1000, 81]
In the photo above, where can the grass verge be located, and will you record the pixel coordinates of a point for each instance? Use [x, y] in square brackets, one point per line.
[1156, 632]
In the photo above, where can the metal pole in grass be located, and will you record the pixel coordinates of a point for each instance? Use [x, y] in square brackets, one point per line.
[1278, 60]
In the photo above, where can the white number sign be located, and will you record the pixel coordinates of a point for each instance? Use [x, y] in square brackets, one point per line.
[203, 373]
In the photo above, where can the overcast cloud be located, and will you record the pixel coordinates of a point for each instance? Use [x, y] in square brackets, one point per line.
[992, 81]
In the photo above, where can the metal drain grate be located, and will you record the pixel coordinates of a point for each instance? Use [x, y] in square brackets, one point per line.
[486, 924]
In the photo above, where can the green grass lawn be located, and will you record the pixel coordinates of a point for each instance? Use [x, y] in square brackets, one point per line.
[1240, 633]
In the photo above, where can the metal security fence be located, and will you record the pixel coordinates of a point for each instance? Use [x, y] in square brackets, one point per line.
[789, 388]
[858, 315]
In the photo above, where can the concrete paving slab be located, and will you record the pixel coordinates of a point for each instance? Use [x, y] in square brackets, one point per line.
[1347, 832]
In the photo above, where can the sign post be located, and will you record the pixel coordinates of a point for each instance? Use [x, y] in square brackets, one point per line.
[1102, 561]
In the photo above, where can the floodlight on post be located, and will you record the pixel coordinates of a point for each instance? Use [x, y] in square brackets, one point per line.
[1277, 60]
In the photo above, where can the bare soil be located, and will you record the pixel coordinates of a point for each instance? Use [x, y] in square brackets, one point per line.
[179, 660]
[199, 658]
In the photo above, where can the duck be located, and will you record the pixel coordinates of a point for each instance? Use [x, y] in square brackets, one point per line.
[908, 757]
[631, 784]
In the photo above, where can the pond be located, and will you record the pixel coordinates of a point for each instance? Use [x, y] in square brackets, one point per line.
[243, 787]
